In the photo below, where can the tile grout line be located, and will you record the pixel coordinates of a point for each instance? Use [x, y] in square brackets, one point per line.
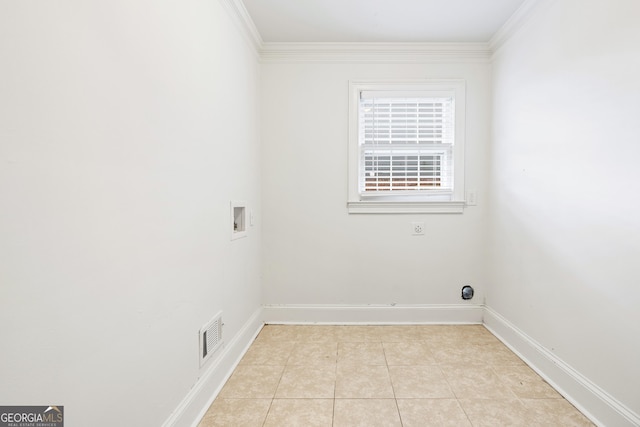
[494, 364]
[277, 385]
[335, 383]
[505, 384]
[393, 389]
[455, 395]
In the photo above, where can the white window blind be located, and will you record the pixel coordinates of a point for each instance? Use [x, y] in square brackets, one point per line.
[406, 143]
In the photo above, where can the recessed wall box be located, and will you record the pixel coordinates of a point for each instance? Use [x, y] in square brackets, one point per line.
[238, 219]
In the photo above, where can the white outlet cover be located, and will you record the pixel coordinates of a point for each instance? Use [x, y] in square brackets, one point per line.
[417, 228]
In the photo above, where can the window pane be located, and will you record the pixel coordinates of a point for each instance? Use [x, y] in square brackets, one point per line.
[403, 172]
[398, 137]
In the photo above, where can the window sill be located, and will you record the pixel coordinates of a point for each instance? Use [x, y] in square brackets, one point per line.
[369, 207]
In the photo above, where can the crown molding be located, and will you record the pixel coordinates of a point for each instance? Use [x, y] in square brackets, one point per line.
[375, 52]
[242, 19]
[519, 18]
[393, 52]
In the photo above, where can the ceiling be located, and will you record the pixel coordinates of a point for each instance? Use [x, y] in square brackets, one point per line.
[379, 20]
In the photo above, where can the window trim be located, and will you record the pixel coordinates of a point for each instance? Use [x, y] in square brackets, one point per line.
[409, 204]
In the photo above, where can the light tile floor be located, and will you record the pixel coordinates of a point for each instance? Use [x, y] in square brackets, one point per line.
[415, 375]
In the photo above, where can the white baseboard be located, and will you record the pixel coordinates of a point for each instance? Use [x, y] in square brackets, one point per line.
[591, 400]
[195, 404]
[373, 314]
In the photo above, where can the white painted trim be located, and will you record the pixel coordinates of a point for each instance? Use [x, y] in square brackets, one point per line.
[595, 403]
[195, 404]
[363, 207]
[240, 16]
[390, 52]
[370, 314]
[602, 408]
[375, 52]
[515, 23]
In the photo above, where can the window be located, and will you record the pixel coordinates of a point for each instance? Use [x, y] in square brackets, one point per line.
[406, 146]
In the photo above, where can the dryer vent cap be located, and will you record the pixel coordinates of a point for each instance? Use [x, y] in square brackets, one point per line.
[467, 292]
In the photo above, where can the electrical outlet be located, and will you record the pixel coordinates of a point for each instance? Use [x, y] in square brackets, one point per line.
[417, 228]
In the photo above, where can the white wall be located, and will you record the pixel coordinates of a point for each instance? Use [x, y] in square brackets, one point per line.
[125, 130]
[565, 210]
[127, 127]
[314, 252]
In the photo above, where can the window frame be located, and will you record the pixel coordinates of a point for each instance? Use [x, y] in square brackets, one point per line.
[422, 203]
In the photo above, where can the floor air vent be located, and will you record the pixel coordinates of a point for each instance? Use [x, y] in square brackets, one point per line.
[210, 338]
